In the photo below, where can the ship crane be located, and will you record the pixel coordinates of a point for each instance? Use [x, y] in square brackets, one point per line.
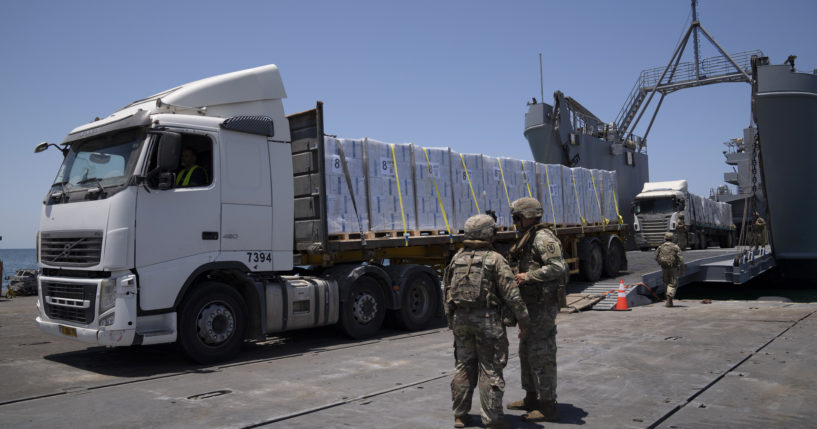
[680, 75]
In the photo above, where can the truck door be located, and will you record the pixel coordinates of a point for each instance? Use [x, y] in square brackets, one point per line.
[177, 230]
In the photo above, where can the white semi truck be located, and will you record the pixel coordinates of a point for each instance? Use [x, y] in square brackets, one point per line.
[657, 209]
[128, 255]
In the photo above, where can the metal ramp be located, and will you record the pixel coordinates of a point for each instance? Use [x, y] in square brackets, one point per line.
[644, 283]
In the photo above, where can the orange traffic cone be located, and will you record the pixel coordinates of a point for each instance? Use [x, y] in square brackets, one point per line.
[621, 304]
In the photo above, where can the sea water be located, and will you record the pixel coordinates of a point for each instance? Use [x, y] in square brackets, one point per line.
[16, 259]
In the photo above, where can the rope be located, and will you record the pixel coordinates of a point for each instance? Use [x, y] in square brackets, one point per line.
[399, 194]
[550, 197]
[439, 200]
[468, 176]
[576, 194]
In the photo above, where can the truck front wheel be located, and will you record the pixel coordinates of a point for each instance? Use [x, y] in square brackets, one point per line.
[362, 314]
[212, 321]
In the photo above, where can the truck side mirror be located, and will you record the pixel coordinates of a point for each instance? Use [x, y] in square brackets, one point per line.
[169, 151]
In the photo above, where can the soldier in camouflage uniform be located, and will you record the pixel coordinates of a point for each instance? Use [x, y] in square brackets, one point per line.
[478, 284]
[681, 231]
[668, 256]
[758, 231]
[541, 274]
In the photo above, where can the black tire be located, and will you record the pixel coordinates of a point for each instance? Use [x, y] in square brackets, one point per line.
[362, 314]
[592, 262]
[613, 258]
[418, 303]
[212, 321]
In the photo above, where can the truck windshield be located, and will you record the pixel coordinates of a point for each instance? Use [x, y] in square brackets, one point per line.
[100, 161]
[655, 206]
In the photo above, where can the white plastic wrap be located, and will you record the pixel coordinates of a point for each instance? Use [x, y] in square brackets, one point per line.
[519, 181]
[609, 189]
[495, 197]
[551, 194]
[435, 168]
[387, 213]
[341, 216]
[567, 194]
[573, 196]
[464, 203]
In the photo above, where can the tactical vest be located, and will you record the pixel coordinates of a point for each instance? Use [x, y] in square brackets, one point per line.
[665, 256]
[472, 279]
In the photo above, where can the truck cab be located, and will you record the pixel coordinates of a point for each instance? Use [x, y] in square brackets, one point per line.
[656, 209]
[122, 236]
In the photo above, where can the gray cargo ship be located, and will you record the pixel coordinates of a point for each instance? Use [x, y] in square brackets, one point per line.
[784, 106]
[745, 175]
[568, 134]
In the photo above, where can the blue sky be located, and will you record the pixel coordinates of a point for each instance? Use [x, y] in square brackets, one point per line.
[436, 73]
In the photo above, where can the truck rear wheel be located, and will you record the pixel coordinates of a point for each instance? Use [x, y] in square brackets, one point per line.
[613, 258]
[212, 321]
[418, 302]
[591, 262]
[362, 314]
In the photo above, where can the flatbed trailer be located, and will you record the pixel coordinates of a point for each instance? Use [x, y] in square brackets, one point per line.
[592, 251]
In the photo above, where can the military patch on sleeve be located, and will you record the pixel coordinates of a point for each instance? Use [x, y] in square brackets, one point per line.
[551, 248]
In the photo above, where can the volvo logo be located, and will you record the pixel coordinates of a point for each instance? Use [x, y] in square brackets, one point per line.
[67, 249]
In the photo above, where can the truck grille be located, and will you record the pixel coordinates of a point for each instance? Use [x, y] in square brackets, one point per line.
[69, 301]
[70, 248]
[653, 230]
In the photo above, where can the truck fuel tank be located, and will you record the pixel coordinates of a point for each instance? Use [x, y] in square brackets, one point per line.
[296, 302]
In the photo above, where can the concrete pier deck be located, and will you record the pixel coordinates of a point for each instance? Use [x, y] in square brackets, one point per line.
[724, 364]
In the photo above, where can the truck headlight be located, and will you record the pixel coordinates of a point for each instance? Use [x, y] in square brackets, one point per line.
[107, 320]
[107, 295]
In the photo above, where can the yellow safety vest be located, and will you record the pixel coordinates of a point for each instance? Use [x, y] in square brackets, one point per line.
[186, 174]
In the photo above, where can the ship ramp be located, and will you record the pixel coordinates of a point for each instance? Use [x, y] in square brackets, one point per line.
[643, 281]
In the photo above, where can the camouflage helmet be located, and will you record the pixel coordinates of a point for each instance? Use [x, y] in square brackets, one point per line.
[527, 207]
[680, 215]
[480, 227]
[669, 236]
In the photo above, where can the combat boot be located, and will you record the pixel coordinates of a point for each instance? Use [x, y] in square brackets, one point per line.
[669, 302]
[461, 421]
[528, 404]
[545, 413]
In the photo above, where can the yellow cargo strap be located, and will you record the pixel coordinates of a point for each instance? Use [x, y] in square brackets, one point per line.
[598, 201]
[615, 201]
[399, 193]
[530, 194]
[439, 200]
[505, 186]
[468, 176]
[576, 194]
[550, 197]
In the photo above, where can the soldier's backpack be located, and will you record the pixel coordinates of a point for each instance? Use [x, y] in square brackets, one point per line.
[665, 256]
[468, 287]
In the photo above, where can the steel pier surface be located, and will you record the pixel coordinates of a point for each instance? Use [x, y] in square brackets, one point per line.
[725, 364]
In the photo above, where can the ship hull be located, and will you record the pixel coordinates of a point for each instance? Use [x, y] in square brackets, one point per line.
[631, 167]
[785, 109]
